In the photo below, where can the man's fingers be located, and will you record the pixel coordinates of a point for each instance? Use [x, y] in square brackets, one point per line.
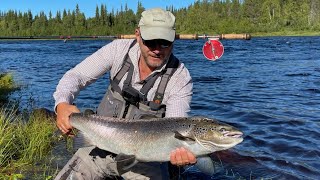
[178, 157]
[192, 159]
[184, 156]
[63, 125]
[64, 110]
[75, 109]
[173, 158]
[63, 128]
[181, 157]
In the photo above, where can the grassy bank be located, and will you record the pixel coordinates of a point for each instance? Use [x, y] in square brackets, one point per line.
[7, 86]
[25, 142]
[26, 138]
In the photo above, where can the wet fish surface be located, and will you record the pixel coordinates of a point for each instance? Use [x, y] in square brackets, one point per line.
[152, 140]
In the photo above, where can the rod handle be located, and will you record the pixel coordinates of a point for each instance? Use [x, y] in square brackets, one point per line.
[186, 36]
[126, 36]
[222, 36]
[235, 36]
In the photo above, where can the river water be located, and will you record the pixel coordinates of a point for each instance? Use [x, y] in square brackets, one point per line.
[267, 87]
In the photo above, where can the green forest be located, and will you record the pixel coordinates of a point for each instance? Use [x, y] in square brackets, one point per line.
[201, 17]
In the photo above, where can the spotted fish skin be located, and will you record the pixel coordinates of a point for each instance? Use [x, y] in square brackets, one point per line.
[153, 139]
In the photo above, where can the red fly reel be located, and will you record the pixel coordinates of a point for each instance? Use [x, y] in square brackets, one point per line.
[213, 49]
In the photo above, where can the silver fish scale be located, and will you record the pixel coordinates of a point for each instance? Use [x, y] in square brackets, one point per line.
[146, 125]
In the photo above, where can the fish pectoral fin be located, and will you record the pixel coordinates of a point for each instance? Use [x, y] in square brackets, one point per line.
[181, 137]
[125, 162]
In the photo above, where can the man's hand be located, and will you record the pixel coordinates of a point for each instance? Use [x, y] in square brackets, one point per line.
[181, 157]
[64, 110]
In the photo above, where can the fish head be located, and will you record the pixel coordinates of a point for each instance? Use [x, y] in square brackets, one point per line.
[215, 136]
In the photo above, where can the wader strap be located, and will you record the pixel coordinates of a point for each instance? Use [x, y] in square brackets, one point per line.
[124, 69]
[127, 82]
[149, 84]
[116, 80]
[171, 68]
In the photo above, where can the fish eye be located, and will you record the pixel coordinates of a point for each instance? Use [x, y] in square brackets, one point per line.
[223, 130]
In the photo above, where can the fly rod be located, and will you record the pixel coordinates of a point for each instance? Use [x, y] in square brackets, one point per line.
[196, 36]
[132, 36]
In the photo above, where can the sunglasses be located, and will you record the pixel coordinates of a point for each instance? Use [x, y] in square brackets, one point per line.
[152, 44]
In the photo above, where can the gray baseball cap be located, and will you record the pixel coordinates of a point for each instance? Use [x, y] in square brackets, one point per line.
[157, 23]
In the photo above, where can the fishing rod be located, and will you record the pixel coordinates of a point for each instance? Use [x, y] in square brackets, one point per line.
[192, 36]
[132, 36]
[212, 49]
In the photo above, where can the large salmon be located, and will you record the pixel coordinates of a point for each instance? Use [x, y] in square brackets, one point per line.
[153, 139]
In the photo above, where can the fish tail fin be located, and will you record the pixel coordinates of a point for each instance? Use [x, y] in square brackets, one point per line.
[81, 140]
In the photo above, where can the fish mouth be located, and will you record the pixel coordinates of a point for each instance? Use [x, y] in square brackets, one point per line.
[233, 134]
[232, 138]
[212, 146]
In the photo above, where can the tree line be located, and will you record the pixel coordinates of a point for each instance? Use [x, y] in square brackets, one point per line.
[206, 16]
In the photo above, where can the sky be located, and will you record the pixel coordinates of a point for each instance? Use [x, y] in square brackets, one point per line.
[86, 6]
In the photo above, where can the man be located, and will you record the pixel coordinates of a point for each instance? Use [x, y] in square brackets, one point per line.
[146, 80]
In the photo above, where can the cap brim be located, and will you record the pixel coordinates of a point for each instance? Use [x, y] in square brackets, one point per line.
[150, 33]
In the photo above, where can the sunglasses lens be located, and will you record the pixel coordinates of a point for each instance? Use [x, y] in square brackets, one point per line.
[165, 44]
[158, 42]
[150, 43]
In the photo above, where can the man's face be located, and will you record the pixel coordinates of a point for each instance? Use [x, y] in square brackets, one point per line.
[154, 52]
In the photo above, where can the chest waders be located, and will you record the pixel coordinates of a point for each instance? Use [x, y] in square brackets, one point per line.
[130, 103]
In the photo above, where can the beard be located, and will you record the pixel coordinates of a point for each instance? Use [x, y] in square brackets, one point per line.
[155, 61]
[155, 64]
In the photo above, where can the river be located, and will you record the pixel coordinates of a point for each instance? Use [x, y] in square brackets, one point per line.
[267, 87]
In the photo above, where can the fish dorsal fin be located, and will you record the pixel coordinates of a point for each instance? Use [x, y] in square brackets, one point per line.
[125, 162]
[181, 137]
[81, 140]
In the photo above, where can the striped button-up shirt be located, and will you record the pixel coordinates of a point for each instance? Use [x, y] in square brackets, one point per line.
[109, 58]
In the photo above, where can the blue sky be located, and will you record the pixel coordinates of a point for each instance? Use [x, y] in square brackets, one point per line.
[86, 6]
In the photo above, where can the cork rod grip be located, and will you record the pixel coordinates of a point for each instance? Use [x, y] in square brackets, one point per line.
[127, 36]
[235, 36]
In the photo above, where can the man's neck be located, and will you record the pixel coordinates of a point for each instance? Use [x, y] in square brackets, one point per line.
[144, 69]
